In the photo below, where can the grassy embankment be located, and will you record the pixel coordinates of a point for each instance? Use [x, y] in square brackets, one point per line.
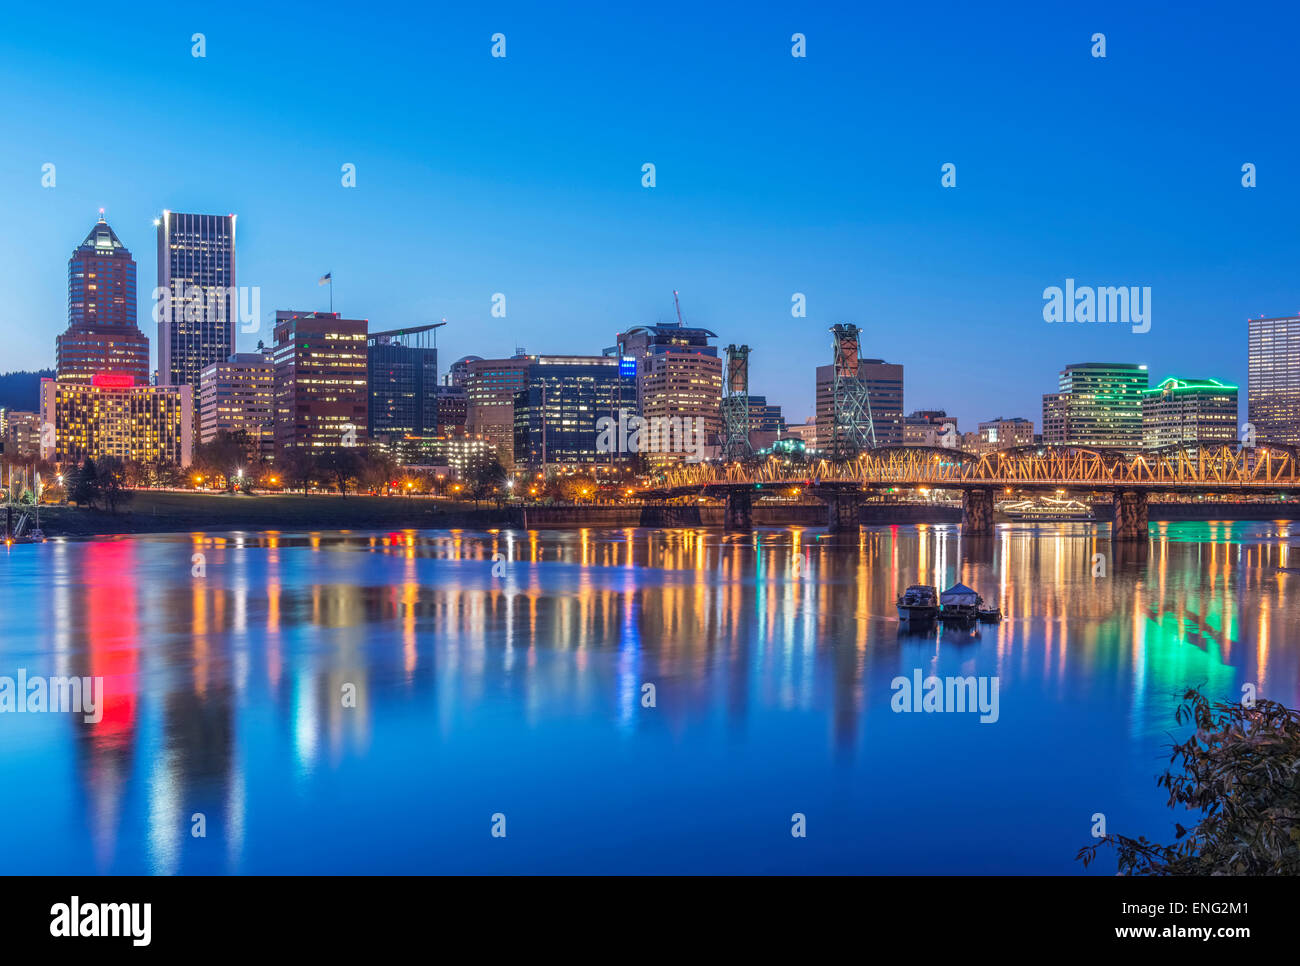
[170, 512]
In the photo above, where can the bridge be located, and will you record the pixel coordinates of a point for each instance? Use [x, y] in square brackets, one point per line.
[1131, 476]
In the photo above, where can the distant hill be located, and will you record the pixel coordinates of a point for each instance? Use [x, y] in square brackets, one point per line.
[22, 390]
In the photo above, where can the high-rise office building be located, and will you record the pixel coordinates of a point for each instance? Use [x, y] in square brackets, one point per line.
[490, 387]
[198, 304]
[114, 417]
[321, 399]
[1098, 404]
[678, 375]
[884, 381]
[680, 344]
[1189, 412]
[558, 411]
[238, 396]
[102, 335]
[402, 371]
[1273, 388]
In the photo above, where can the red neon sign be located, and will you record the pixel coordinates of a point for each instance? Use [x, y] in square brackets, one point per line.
[112, 380]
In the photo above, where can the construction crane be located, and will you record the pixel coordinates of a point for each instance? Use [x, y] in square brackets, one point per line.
[678, 306]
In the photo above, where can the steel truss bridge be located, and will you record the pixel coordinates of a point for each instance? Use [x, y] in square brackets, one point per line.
[1130, 475]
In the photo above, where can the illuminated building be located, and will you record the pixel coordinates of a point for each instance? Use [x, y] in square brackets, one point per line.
[102, 335]
[114, 417]
[999, 433]
[678, 376]
[557, 411]
[321, 399]
[196, 319]
[805, 432]
[238, 396]
[1273, 389]
[490, 387]
[460, 452]
[21, 433]
[1180, 412]
[402, 373]
[1097, 404]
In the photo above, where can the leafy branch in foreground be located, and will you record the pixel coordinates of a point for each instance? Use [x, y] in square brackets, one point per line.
[1240, 770]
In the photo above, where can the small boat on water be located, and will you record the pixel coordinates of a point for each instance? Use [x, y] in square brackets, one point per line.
[918, 603]
[959, 603]
[988, 614]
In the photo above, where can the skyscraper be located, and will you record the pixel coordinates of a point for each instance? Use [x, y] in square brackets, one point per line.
[402, 372]
[490, 387]
[198, 301]
[678, 376]
[1273, 389]
[1189, 412]
[102, 335]
[558, 412]
[1098, 404]
[320, 381]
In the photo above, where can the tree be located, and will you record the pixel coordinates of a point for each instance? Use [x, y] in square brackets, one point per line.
[83, 484]
[485, 478]
[1240, 770]
[343, 465]
[377, 470]
[578, 488]
[112, 483]
[297, 468]
[223, 456]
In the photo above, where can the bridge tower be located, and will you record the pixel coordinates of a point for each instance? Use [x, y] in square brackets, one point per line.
[852, 429]
[735, 405]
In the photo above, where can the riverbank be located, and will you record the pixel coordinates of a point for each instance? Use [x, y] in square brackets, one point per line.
[172, 512]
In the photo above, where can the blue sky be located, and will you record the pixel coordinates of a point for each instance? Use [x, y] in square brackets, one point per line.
[775, 175]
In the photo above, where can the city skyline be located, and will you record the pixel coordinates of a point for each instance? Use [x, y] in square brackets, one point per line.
[795, 176]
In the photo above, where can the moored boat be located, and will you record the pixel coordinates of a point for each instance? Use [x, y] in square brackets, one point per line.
[918, 603]
[1047, 510]
[959, 603]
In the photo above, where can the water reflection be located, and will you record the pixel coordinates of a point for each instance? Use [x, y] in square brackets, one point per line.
[289, 687]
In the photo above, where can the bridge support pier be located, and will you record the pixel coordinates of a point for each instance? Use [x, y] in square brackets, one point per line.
[843, 512]
[1130, 521]
[976, 513]
[740, 510]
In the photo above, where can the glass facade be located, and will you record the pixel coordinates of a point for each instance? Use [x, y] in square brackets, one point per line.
[1273, 390]
[196, 318]
[556, 415]
[1098, 404]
